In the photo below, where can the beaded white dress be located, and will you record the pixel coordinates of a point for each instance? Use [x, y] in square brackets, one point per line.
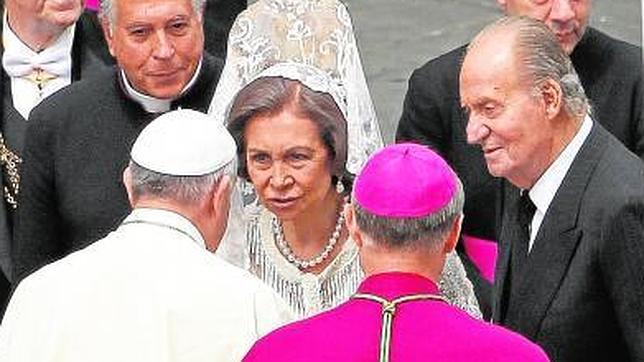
[308, 293]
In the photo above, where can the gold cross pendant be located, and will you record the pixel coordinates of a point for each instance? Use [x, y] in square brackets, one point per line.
[40, 77]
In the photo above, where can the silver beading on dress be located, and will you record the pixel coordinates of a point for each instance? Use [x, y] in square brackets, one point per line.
[305, 293]
[308, 294]
[312, 32]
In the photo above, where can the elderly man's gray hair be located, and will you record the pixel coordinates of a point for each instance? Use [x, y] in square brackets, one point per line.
[427, 232]
[187, 190]
[108, 8]
[542, 57]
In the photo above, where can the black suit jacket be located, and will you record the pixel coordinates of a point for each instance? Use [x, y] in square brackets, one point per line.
[611, 73]
[580, 292]
[78, 144]
[89, 57]
[219, 16]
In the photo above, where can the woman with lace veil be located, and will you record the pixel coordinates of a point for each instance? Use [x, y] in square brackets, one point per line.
[294, 96]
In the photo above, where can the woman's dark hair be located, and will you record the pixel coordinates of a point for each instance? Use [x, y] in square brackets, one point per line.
[269, 96]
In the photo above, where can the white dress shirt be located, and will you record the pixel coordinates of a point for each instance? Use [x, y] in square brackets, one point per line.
[18, 60]
[546, 187]
[148, 292]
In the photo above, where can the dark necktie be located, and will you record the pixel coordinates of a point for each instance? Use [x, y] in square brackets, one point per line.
[525, 213]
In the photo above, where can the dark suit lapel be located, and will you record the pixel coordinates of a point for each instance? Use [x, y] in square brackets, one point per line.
[5, 232]
[555, 243]
[5, 227]
[8, 113]
[507, 197]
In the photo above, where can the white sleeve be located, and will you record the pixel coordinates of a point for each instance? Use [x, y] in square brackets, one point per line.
[271, 312]
[25, 330]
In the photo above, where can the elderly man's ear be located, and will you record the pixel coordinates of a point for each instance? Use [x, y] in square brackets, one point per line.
[452, 237]
[213, 213]
[552, 97]
[127, 182]
[352, 226]
[220, 201]
[502, 4]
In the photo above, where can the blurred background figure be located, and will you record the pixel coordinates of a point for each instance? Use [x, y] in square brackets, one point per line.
[151, 290]
[405, 218]
[47, 45]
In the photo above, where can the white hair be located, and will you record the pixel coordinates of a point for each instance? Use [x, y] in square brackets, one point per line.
[108, 9]
[188, 190]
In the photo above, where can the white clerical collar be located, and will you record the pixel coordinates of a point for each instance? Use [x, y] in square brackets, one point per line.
[547, 185]
[167, 219]
[155, 105]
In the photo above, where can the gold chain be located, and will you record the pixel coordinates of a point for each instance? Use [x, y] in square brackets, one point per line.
[10, 161]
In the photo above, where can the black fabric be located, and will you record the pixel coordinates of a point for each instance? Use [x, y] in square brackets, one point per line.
[219, 16]
[78, 144]
[580, 294]
[611, 72]
[5, 293]
[525, 212]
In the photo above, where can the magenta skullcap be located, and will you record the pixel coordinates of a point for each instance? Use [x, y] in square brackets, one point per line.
[405, 180]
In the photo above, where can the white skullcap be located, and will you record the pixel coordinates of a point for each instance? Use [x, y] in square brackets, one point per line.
[184, 143]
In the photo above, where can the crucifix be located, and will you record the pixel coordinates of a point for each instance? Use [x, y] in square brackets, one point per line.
[40, 77]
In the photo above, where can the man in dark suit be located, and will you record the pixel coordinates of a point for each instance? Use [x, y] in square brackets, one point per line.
[71, 44]
[610, 71]
[571, 262]
[77, 140]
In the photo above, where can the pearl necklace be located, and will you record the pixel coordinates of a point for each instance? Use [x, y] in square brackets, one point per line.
[302, 264]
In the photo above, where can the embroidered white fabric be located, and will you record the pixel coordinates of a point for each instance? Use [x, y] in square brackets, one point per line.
[313, 32]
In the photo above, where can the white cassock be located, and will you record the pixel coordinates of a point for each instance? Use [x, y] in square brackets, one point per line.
[149, 291]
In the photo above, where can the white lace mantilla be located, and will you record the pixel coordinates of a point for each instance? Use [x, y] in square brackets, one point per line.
[308, 294]
[312, 32]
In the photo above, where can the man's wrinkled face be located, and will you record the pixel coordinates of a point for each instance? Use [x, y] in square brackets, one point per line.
[157, 43]
[505, 115]
[566, 18]
[61, 13]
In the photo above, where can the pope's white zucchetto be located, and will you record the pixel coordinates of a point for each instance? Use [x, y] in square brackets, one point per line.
[184, 143]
